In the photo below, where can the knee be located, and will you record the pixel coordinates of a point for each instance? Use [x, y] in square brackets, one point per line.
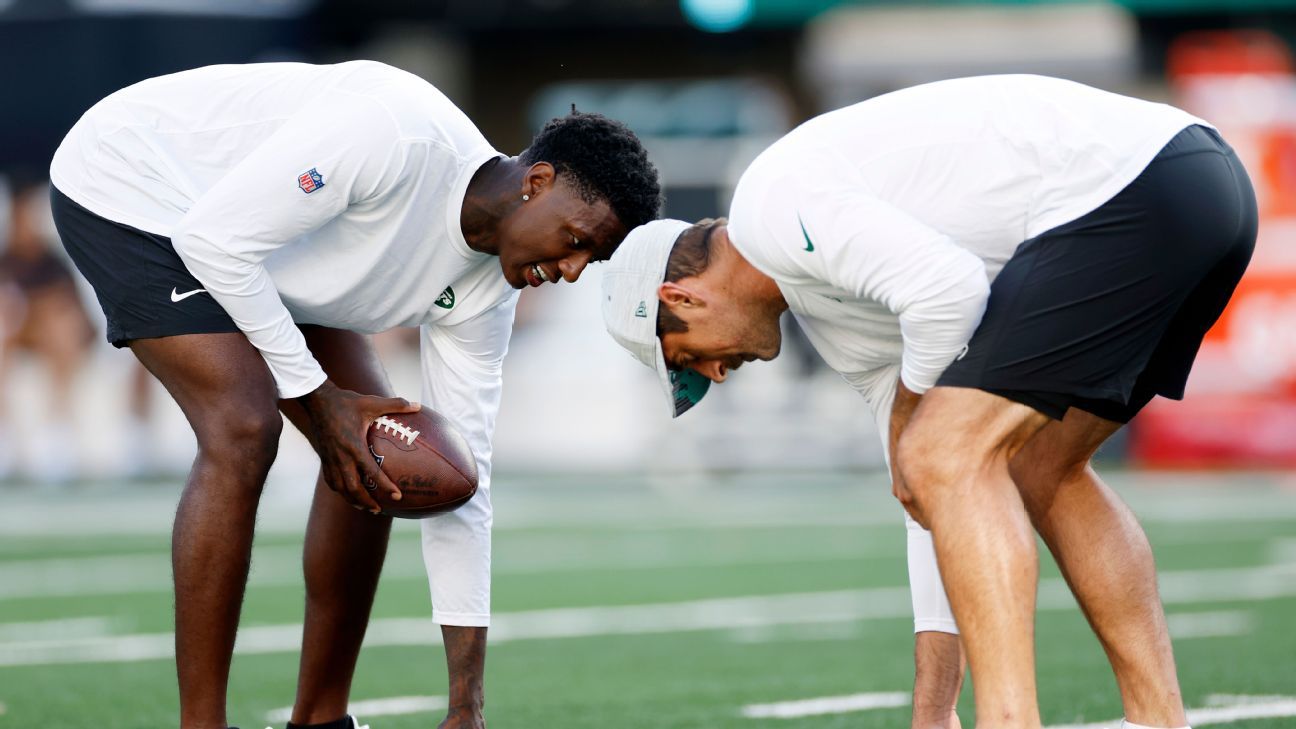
[926, 464]
[242, 436]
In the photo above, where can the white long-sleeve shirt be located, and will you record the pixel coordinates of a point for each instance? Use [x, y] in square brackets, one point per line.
[884, 223]
[331, 195]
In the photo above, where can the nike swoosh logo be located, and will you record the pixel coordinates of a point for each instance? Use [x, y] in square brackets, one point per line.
[809, 245]
[181, 297]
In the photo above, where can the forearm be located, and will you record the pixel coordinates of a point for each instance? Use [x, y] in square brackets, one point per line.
[244, 289]
[938, 678]
[466, 663]
[902, 409]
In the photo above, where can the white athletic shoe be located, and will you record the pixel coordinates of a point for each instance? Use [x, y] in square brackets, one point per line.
[355, 723]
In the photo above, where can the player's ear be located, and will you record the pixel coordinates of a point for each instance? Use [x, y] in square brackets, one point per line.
[675, 295]
[539, 177]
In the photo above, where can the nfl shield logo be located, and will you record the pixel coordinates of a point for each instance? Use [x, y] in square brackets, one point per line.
[310, 181]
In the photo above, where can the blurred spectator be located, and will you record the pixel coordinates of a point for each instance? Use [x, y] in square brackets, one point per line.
[43, 318]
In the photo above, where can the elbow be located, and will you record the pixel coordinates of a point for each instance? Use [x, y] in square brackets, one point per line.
[973, 287]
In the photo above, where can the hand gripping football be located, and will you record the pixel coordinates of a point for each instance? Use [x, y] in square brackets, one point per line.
[427, 459]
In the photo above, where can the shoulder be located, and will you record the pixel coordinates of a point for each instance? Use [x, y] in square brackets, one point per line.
[419, 111]
[772, 218]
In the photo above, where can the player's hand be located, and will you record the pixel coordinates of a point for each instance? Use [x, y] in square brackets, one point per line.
[900, 490]
[463, 718]
[902, 409]
[340, 420]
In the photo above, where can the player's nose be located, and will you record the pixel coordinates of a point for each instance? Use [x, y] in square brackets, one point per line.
[572, 266]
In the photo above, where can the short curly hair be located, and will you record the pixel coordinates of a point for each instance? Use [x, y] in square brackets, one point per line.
[602, 159]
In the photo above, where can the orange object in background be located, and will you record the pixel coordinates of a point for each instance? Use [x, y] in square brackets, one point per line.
[1240, 408]
[1277, 172]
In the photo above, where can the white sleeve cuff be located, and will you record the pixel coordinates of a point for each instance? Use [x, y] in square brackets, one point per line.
[466, 620]
[288, 392]
[935, 625]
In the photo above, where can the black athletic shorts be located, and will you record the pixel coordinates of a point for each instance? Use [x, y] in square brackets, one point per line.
[1108, 311]
[142, 285]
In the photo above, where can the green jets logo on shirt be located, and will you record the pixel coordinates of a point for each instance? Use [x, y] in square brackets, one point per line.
[809, 244]
[447, 299]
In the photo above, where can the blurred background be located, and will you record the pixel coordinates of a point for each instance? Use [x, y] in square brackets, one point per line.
[706, 84]
[648, 573]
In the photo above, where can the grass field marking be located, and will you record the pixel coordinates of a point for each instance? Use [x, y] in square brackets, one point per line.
[827, 705]
[394, 706]
[1215, 700]
[88, 627]
[107, 649]
[1220, 623]
[1241, 712]
[279, 565]
[1246, 707]
[1282, 550]
[696, 615]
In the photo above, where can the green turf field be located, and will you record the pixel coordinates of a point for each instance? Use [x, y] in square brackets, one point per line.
[624, 603]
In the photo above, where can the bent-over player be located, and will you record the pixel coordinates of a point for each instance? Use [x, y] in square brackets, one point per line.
[244, 227]
[1007, 268]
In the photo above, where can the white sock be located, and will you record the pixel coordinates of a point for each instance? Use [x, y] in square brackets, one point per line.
[1127, 724]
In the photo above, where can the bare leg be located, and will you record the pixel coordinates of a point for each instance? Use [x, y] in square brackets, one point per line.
[466, 663]
[344, 551]
[222, 385]
[344, 555]
[1106, 559]
[938, 678]
[343, 559]
[954, 458]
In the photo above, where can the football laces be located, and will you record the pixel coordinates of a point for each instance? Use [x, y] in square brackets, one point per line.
[404, 432]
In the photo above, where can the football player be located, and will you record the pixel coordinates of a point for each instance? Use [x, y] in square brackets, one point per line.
[1007, 269]
[244, 227]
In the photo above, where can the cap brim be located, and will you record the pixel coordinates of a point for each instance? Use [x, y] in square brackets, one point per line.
[630, 305]
[684, 388]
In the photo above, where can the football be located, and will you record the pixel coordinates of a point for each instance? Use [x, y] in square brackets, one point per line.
[427, 459]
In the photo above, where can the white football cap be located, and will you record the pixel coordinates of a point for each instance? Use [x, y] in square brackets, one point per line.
[630, 282]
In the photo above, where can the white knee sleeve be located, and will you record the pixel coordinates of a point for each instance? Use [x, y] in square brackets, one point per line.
[930, 606]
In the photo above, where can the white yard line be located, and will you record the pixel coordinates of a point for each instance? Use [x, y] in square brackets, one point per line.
[394, 706]
[281, 565]
[1156, 498]
[1210, 624]
[1246, 707]
[1215, 700]
[697, 615]
[88, 627]
[826, 705]
[1270, 707]
[278, 565]
[737, 613]
[1282, 549]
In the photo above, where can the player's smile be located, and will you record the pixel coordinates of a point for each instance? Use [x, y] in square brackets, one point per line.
[554, 234]
[535, 275]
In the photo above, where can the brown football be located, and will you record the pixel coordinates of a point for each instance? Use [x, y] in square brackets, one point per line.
[427, 459]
